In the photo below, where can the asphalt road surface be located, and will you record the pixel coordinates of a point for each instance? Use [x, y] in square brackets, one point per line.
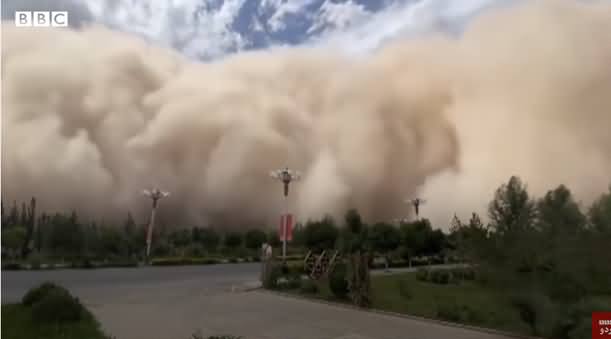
[100, 284]
[175, 302]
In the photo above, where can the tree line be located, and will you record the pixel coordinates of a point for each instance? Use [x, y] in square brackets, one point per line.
[65, 236]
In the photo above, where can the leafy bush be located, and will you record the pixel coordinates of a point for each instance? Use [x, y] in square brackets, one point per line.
[338, 282]
[271, 280]
[84, 263]
[404, 289]
[196, 250]
[422, 274]
[527, 310]
[184, 261]
[58, 306]
[458, 313]
[13, 266]
[35, 261]
[463, 274]
[575, 321]
[38, 293]
[440, 277]
[295, 257]
[308, 286]
[449, 312]
[199, 335]
[535, 310]
[293, 283]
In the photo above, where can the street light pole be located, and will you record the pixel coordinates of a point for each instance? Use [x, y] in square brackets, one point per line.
[155, 195]
[416, 204]
[286, 176]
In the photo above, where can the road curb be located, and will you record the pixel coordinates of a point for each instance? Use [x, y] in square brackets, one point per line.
[397, 315]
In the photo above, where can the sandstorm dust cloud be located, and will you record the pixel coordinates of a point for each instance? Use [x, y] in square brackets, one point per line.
[92, 117]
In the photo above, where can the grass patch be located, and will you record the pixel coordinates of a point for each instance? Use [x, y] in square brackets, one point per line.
[17, 323]
[466, 302]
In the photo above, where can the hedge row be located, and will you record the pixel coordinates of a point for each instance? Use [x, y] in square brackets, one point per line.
[445, 276]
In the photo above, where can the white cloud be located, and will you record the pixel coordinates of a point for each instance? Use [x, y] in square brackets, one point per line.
[282, 9]
[339, 15]
[347, 26]
[184, 24]
[398, 20]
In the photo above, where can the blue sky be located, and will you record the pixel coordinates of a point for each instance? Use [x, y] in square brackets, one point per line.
[211, 29]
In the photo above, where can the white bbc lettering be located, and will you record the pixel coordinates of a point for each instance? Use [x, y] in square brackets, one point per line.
[59, 19]
[23, 19]
[41, 19]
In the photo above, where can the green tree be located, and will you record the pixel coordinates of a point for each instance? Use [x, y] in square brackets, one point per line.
[298, 236]
[12, 239]
[208, 237]
[30, 223]
[511, 210]
[600, 213]
[13, 218]
[112, 242]
[559, 213]
[565, 272]
[320, 235]
[356, 244]
[384, 238]
[66, 238]
[273, 239]
[254, 239]
[419, 239]
[233, 240]
[180, 238]
[468, 238]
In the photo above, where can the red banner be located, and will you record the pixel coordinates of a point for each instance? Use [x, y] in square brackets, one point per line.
[286, 227]
[601, 325]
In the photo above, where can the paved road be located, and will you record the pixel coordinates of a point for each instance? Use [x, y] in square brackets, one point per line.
[175, 302]
[99, 284]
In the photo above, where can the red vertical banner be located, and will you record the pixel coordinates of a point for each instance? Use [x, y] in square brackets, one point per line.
[601, 325]
[286, 227]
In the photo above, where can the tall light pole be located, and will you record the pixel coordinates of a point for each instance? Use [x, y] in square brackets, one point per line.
[416, 203]
[286, 176]
[154, 195]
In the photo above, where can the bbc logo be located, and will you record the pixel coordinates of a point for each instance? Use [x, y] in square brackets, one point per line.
[41, 19]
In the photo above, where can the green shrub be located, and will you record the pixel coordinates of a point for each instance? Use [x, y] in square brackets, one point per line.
[338, 282]
[58, 307]
[422, 274]
[404, 289]
[293, 283]
[574, 322]
[35, 261]
[440, 277]
[199, 335]
[38, 293]
[196, 250]
[449, 312]
[12, 266]
[271, 280]
[184, 261]
[458, 313]
[308, 287]
[536, 310]
[84, 263]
